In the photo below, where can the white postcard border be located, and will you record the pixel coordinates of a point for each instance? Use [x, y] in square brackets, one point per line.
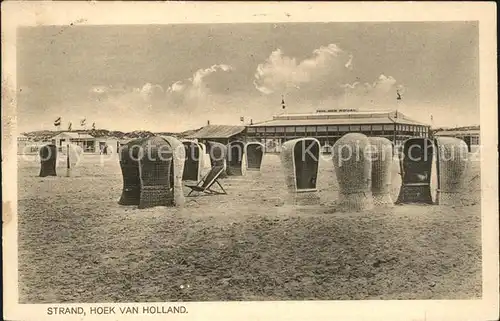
[33, 13]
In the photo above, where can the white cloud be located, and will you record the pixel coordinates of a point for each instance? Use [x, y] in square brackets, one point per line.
[151, 92]
[380, 93]
[280, 73]
[200, 74]
[192, 92]
[176, 87]
[187, 94]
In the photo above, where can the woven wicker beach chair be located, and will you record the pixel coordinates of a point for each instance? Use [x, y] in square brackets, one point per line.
[148, 173]
[353, 170]
[452, 167]
[193, 164]
[381, 157]
[416, 167]
[206, 183]
[129, 163]
[235, 151]
[156, 174]
[217, 153]
[300, 162]
[254, 151]
[48, 158]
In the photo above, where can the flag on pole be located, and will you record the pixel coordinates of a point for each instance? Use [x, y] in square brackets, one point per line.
[93, 125]
[283, 106]
[242, 118]
[69, 126]
[57, 122]
[82, 122]
[398, 95]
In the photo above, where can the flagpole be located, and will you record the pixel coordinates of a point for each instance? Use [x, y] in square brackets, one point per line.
[398, 102]
[68, 166]
[396, 126]
[283, 106]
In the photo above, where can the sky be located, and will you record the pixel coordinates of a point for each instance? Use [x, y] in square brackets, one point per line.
[176, 77]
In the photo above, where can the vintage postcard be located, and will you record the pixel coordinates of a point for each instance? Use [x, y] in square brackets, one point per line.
[259, 160]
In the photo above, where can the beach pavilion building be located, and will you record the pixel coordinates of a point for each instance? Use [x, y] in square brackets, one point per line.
[469, 135]
[329, 125]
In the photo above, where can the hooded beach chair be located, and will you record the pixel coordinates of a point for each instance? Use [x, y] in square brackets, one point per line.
[205, 184]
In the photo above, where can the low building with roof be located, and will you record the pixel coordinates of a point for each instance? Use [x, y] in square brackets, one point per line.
[85, 141]
[24, 144]
[471, 136]
[329, 125]
[218, 133]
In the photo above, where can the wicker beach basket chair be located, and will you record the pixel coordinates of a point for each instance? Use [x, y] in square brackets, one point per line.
[129, 163]
[381, 153]
[193, 166]
[452, 167]
[177, 169]
[300, 162]
[155, 173]
[48, 160]
[353, 168]
[416, 171]
[234, 158]
[217, 153]
[254, 152]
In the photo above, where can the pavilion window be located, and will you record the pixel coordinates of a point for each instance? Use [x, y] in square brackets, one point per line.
[280, 129]
[377, 130]
[311, 129]
[251, 130]
[355, 128]
[261, 129]
[270, 130]
[366, 128]
[332, 130]
[343, 128]
[321, 128]
[300, 129]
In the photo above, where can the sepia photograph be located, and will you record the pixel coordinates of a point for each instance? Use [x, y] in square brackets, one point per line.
[253, 155]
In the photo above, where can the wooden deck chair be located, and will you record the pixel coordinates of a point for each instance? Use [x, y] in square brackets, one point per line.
[205, 184]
